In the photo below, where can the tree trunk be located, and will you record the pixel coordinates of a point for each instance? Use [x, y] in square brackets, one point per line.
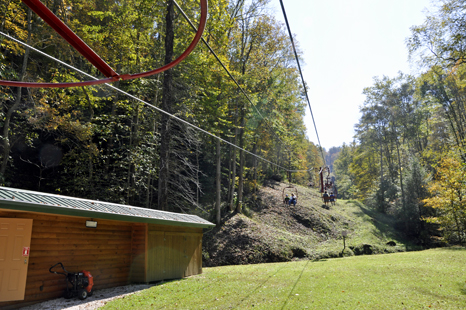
[233, 164]
[289, 167]
[230, 150]
[7, 145]
[149, 192]
[167, 98]
[198, 188]
[233, 173]
[239, 202]
[403, 201]
[254, 164]
[218, 184]
[133, 141]
[90, 181]
[110, 145]
[382, 191]
[275, 168]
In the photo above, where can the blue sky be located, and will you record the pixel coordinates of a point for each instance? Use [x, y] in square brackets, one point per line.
[345, 44]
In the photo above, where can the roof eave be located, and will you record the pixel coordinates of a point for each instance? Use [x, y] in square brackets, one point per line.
[49, 209]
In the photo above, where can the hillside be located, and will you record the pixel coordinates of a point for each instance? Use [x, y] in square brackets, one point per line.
[273, 232]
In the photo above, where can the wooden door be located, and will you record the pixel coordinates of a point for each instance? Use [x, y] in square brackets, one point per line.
[15, 240]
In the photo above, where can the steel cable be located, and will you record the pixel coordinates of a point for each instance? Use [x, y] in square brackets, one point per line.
[229, 74]
[302, 79]
[146, 103]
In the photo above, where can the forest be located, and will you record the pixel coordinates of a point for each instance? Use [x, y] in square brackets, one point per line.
[409, 157]
[101, 143]
[219, 138]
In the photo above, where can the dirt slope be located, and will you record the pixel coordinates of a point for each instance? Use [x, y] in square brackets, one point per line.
[273, 232]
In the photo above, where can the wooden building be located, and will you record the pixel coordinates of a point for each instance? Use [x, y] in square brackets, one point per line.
[117, 244]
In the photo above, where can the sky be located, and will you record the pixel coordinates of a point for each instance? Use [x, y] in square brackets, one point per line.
[345, 43]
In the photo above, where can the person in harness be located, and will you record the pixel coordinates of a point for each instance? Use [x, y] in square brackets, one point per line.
[326, 198]
[286, 201]
[332, 198]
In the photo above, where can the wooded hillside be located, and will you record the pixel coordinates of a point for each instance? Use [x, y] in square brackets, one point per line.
[409, 158]
[191, 140]
[100, 143]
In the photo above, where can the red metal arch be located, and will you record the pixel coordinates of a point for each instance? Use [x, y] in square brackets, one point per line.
[75, 41]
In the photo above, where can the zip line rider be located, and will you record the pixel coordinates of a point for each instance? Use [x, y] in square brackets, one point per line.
[326, 198]
[286, 200]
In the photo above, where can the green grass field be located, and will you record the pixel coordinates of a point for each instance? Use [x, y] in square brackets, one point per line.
[432, 279]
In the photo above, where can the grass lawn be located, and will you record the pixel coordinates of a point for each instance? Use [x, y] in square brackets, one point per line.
[432, 279]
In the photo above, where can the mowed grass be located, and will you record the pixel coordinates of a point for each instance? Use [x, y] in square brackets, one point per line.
[431, 279]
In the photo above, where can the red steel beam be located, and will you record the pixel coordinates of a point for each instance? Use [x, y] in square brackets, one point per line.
[197, 37]
[67, 34]
[95, 59]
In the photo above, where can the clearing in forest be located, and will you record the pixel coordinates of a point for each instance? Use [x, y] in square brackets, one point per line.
[270, 231]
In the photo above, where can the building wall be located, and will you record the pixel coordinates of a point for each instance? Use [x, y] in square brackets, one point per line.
[173, 252]
[139, 254]
[115, 253]
[105, 251]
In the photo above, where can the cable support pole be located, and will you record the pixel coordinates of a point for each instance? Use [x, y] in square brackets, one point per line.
[227, 71]
[302, 78]
[142, 101]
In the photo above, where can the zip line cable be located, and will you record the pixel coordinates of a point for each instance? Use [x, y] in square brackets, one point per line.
[302, 78]
[145, 102]
[228, 72]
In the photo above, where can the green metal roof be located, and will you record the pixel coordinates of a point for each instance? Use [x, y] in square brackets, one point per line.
[23, 200]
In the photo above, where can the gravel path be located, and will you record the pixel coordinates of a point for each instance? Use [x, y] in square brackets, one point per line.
[97, 300]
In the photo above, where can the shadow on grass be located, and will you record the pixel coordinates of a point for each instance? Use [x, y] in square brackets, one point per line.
[462, 288]
[324, 206]
[186, 296]
[294, 286]
[258, 287]
[382, 222]
[451, 298]
[456, 248]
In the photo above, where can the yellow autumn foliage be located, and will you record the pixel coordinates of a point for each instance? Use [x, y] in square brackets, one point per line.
[448, 197]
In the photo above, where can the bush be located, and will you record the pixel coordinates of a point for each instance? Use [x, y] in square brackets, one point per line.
[346, 252]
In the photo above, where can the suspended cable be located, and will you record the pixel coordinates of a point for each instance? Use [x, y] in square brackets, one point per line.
[229, 73]
[145, 102]
[302, 79]
[77, 43]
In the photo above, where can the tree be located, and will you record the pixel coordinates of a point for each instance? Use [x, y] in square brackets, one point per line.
[344, 178]
[448, 190]
[416, 187]
[113, 147]
[442, 36]
[447, 89]
[167, 102]
[15, 101]
[394, 125]
[439, 44]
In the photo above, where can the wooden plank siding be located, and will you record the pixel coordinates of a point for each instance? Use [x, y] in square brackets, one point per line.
[115, 253]
[105, 251]
[173, 252]
[139, 254]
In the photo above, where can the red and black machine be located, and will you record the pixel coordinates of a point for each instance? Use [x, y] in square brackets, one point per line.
[77, 283]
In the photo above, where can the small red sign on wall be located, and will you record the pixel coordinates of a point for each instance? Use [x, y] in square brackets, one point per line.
[26, 251]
